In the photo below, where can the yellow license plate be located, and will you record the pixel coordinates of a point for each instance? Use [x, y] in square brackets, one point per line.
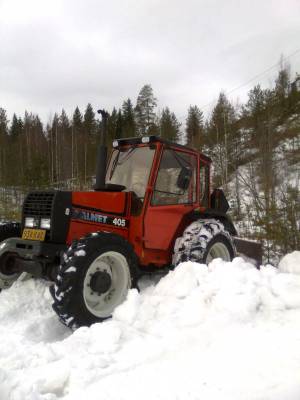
[34, 234]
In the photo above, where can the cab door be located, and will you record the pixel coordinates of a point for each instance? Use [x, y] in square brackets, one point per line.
[174, 195]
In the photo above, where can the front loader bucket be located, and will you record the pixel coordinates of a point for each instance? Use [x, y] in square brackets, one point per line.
[249, 249]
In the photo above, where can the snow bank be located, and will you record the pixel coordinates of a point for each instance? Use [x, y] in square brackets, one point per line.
[228, 331]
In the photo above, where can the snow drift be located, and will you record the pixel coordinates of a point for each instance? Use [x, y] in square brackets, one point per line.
[228, 331]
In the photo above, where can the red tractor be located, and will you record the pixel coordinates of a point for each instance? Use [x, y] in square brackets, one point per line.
[152, 208]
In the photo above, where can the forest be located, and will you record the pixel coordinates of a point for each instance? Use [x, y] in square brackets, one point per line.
[255, 148]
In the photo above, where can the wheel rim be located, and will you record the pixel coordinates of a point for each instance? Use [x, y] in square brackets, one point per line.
[218, 250]
[114, 268]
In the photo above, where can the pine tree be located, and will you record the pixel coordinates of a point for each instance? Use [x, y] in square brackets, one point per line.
[221, 139]
[254, 108]
[294, 96]
[36, 167]
[89, 141]
[77, 139]
[282, 88]
[64, 121]
[3, 144]
[119, 125]
[144, 111]
[194, 127]
[65, 151]
[112, 125]
[169, 126]
[15, 151]
[16, 128]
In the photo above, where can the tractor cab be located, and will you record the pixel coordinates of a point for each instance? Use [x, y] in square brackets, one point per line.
[164, 172]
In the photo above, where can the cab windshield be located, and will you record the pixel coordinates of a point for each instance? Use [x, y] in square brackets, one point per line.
[131, 168]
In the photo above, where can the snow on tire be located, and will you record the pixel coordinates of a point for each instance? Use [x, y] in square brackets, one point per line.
[202, 241]
[94, 277]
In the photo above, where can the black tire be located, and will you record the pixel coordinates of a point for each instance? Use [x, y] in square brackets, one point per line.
[202, 241]
[79, 277]
[8, 230]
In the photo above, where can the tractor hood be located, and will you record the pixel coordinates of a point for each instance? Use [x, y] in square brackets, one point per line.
[105, 202]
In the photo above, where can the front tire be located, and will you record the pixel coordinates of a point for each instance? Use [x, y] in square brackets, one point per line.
[93, 279]
[7, 275]
[203, 241]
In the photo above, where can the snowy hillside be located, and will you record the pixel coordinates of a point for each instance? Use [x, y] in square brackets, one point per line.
[224, 332]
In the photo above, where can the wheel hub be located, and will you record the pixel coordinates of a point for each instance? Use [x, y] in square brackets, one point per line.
[106, 283]
[100, 282]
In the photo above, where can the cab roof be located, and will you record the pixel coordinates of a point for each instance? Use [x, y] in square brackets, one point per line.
[153, 139]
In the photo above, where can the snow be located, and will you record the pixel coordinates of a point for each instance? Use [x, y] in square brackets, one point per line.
[228, 332]
[290, 263]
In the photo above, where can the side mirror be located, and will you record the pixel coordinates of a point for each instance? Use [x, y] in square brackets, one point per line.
[184, 178]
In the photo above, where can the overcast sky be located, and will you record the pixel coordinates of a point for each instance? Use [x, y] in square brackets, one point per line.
[61, 53]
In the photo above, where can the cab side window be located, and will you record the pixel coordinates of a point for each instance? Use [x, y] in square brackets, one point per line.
[176, 180]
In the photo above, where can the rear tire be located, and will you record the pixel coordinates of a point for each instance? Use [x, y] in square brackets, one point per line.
[203, 241]
[93, 279]
[8, 230]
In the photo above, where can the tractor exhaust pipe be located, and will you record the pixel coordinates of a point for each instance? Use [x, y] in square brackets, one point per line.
[101, 154]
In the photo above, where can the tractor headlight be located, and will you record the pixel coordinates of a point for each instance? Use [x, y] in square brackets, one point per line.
[45, 223]
[31, 222]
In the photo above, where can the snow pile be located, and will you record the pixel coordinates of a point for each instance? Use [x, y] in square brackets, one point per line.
[228, 331]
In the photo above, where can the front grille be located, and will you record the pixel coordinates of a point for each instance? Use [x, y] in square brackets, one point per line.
[39, 204]
[56, 206]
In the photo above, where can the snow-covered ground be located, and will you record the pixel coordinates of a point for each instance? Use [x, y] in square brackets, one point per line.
[225, 332]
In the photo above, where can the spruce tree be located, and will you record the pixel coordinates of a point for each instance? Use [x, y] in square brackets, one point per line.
[89, 121]
[128, 124]
[3, 123]
[169, 126]
[194, 127]
[77, 120]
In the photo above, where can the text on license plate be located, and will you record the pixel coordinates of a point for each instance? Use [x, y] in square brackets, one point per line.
[34, 234]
